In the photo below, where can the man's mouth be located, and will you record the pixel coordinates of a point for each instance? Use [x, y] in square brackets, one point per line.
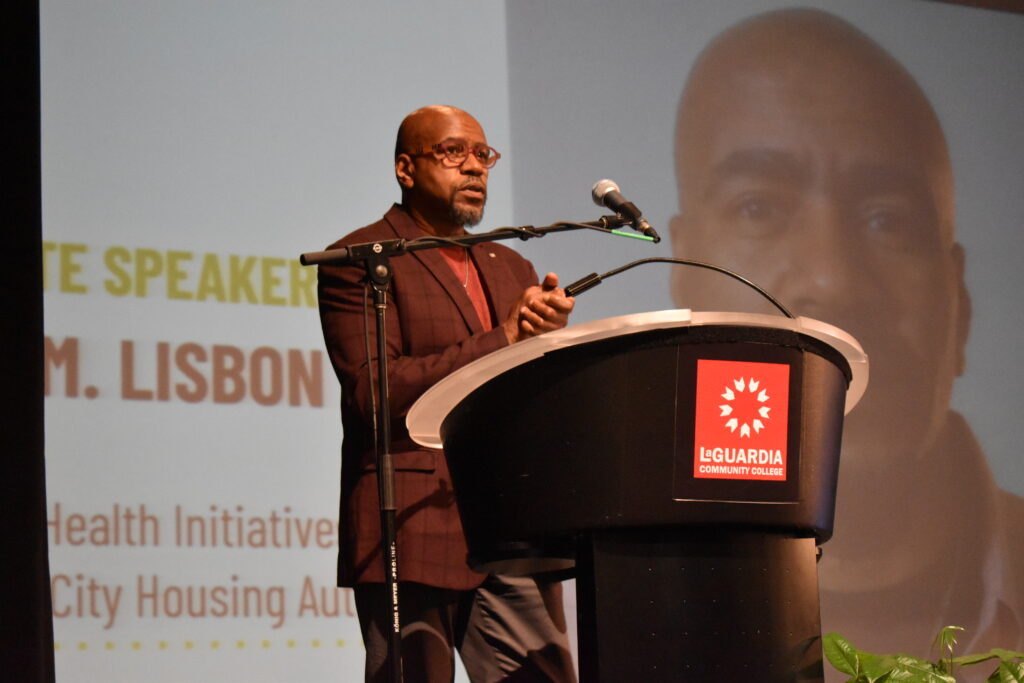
[479, 191]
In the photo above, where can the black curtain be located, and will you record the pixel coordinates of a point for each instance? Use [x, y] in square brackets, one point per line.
[27, 624]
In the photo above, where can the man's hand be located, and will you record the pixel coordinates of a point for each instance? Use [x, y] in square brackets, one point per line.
[540, 309]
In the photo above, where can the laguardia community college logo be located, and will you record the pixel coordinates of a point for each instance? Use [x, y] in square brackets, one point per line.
[741, 418]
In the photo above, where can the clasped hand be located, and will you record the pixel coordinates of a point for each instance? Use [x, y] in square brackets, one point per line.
[540, 309]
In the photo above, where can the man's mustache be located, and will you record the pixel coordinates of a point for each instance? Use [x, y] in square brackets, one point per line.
[473, 185]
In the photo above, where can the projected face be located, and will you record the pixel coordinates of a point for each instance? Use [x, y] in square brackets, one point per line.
[442, 195]
[809, 161]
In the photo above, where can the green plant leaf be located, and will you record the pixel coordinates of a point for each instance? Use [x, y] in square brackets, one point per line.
[967, 660]
[909, 668]
[841, 654]
[909, 662]
[1007, 655]
[877, 667]
[946, 639]
[1008, 672]
[995, 653]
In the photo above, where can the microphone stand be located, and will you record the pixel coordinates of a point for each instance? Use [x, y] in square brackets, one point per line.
[375, 258]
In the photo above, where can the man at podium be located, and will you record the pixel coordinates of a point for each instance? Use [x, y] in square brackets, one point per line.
[446, 307]
[809, 160]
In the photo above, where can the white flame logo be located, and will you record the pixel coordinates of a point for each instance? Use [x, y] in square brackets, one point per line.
[749, 387]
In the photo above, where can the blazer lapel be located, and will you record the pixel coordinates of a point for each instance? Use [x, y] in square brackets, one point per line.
[501, 287]
[432, 260]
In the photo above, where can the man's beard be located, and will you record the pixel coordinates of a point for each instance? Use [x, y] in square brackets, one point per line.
[465, 215]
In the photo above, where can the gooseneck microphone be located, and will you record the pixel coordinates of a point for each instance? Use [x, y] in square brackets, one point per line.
[606, 193]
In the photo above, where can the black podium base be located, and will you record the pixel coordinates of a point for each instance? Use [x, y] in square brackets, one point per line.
[702, 605]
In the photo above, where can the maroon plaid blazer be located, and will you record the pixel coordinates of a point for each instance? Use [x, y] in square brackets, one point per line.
[432, 330]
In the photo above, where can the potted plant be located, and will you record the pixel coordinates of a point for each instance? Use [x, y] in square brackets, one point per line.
[865, 667]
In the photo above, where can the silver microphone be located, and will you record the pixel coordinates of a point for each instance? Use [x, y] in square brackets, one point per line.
[606, 193]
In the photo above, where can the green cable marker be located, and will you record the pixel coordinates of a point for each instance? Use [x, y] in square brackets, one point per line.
[632, 235]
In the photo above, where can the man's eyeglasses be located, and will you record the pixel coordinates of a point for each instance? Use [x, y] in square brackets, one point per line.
[455, 153]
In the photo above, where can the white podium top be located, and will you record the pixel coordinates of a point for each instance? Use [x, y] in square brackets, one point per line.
[426, 415]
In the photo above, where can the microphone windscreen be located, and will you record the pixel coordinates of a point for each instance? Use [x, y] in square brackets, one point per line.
[601, 188]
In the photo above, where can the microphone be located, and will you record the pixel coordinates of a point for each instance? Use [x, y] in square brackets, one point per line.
[606, 193]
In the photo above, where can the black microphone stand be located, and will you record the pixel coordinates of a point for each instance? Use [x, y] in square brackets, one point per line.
[375, 258]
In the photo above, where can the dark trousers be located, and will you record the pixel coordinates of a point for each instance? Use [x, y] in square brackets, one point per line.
[510, 629]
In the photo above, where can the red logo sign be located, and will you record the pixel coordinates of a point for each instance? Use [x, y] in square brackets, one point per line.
[741, 420]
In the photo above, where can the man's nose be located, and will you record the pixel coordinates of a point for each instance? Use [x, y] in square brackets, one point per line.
[826, 277]
[472, 166]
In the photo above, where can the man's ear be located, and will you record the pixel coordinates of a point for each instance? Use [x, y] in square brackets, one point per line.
[405, 171]
[963, 308]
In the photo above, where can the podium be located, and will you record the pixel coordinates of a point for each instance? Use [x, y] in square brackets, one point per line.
[681, 465]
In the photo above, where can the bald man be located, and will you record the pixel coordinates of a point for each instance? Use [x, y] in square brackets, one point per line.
[809, 160]
[447, 307]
